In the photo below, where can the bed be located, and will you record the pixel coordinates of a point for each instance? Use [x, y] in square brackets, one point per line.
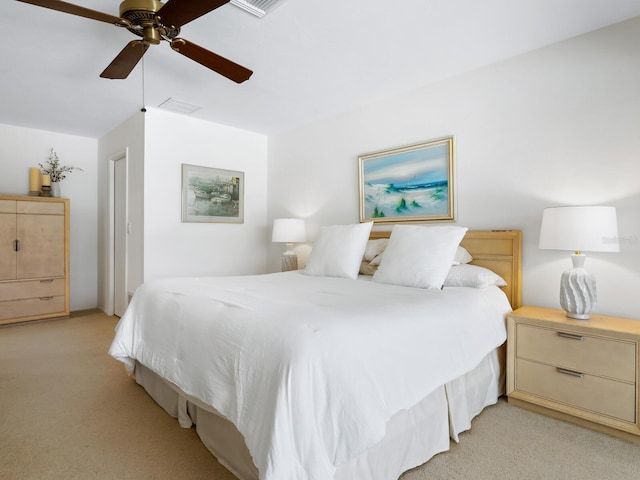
[294, 376]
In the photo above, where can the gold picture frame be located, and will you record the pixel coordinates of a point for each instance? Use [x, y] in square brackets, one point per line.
[414, 183]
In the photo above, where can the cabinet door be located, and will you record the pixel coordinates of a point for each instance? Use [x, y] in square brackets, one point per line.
[42, 246]
[7, 253]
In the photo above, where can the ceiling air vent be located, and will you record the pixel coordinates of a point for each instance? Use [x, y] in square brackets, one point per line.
[259, 8]
[178, 106]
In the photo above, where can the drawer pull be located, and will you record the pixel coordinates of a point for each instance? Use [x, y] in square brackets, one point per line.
[570, 372]
[46, 298]
[572, 336]
[47, 281]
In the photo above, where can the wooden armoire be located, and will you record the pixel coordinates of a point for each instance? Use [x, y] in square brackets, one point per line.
[34, 258]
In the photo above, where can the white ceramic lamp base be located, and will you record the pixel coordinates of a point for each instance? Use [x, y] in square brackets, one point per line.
[289, 261]
[578, 290]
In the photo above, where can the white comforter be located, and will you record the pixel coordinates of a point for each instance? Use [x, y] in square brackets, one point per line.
[309, 369]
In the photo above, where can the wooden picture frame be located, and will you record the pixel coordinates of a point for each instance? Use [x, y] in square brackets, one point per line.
[212, 195]
[414, 183]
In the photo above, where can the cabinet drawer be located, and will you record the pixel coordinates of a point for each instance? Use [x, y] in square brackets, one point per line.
[31, 289]
[42, 208]
[7, 206]
[15, 309]
[599, 395]
[607, 357]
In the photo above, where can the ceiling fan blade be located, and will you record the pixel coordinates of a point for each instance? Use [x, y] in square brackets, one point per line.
[211, 60]
[126, 60]
[179, 12]
[66, 7]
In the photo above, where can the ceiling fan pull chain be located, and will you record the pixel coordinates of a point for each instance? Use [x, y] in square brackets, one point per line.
[143, 109]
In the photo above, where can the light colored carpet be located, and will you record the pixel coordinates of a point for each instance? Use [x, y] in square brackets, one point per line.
[69, 411]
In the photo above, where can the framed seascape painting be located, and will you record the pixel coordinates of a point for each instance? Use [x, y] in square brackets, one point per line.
[408, 184]
[212, 195]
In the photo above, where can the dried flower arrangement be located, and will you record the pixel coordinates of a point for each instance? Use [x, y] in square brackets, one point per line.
[53, 168]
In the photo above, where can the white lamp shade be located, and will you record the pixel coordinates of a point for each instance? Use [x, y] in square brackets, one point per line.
[288, 230]
[588, 229]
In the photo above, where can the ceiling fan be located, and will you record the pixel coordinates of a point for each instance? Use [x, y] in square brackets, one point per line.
[155, 21]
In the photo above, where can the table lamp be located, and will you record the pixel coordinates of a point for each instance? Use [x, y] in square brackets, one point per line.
[289, 231]
[578, 229]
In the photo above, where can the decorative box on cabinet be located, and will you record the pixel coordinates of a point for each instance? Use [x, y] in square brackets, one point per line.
[583, 371]
[34, 258]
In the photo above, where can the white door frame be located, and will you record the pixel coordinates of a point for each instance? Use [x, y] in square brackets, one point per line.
[122, 155]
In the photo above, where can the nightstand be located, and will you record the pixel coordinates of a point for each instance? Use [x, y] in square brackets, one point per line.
[583, 371]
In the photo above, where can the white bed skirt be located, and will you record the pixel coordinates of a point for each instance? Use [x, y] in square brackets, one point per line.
[412, 436]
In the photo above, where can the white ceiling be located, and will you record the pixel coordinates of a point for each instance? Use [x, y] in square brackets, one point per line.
[311, 58]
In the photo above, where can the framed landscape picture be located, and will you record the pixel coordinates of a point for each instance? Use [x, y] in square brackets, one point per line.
[408, 184]
[212, 195]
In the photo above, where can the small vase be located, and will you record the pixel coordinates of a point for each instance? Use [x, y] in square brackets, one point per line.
[55, 189]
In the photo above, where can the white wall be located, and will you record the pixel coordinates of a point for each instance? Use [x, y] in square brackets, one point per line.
[556, 126]
[174, 248]
[23, 148]
[157, 143]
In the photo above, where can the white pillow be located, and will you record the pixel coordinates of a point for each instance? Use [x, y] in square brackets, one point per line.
[473, 276]
[375, 248]
[462, 256]
[419, 256]
[338, 250]
[367, 269]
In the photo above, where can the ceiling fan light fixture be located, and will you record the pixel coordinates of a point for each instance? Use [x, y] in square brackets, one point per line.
[151, 35]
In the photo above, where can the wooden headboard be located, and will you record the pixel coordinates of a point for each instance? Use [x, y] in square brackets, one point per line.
[497, 250]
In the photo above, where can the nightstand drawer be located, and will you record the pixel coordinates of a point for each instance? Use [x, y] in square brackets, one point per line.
[596, 394]
[585, 353]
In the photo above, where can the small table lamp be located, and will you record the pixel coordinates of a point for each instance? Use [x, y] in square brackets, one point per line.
[592, 229]
[289, 231]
